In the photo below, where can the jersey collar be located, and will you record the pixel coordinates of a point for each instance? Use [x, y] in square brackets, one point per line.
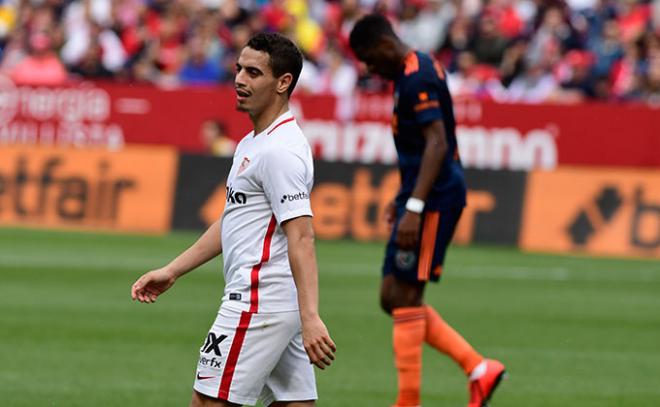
[282, 119]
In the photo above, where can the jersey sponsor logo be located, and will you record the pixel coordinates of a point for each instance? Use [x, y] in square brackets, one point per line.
[212, 362]
[200, 377]
[235, 197]
[295, 197]
[212, 344]
[428, 104]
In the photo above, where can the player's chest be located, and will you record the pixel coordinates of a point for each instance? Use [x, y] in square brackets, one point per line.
[245, 178]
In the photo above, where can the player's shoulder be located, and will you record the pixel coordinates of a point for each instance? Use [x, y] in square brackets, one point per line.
[285, 143]
[244, 139]
[422, 67]
[286, 136]
[417, 64]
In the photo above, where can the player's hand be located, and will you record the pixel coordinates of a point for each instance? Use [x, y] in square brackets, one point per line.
[319, 346]
[390, 213]
[407, 233]
[152, 284]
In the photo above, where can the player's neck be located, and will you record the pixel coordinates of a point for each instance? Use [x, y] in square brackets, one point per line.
[268, 116]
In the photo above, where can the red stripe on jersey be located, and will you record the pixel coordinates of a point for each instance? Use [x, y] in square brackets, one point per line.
[232, 358]
[254, 275]
[279, 124]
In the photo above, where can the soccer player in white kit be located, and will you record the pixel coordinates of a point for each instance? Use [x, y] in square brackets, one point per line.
[268, 332]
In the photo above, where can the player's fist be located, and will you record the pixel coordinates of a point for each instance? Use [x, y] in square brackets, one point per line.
[317, 342]
[407, 234]
[152, 284]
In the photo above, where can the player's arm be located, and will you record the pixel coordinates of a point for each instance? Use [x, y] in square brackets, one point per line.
[152, 284]
[302, 258]
[434, 151]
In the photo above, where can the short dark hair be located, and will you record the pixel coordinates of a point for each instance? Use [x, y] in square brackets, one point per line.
[369, 30]
[285, 57]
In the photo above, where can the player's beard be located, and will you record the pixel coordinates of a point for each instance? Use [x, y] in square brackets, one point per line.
[241, 106]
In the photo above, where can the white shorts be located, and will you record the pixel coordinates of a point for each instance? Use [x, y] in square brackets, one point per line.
[248, 357]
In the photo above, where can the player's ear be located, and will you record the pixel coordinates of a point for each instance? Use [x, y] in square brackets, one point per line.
[284, 82]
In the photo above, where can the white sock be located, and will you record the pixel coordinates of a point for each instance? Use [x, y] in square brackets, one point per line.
[478, 371]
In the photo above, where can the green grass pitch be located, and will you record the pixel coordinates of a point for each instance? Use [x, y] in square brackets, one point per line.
[573, 331]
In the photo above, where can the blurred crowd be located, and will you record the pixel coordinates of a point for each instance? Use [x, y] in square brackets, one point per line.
[528, 51]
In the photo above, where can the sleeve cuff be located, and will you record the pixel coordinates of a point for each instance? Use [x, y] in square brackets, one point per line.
[296, 213]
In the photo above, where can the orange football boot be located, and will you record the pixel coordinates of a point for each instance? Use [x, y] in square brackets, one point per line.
[482, 388]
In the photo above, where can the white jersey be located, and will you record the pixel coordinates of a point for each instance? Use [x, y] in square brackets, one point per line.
[270, 181]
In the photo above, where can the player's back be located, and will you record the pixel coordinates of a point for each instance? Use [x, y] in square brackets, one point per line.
[421, 96]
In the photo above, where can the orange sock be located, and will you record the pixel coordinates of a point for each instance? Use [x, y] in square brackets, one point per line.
[445, 339]
[408, 338]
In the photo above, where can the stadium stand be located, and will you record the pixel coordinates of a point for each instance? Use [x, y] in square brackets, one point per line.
[525, 51]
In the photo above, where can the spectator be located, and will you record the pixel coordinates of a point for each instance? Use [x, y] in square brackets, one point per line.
[509, 22]
[199, 69]
[554, 31]
[625, 72]
[90, 66]
[576, 80]
[215, 139]
[336, 75]
[650, 87]
[424, 23]
[82, 34]
[489, 44]
[633, 19]
[513, 61]
[473, 79]
[536, 85]
[8, 11]
[41, 66]
[172, 42]
[457, 41]
[607, 49]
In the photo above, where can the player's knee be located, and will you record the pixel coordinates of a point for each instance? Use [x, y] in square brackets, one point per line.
[400, 300]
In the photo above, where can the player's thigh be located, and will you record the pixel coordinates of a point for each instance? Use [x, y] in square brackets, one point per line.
[310, 403]
[422, 263]
[240, 352]
[292, 380]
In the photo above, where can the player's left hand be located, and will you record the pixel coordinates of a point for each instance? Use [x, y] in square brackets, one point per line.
[317, 342]
[407, 233]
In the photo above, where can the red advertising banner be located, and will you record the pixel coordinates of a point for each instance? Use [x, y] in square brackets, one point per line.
[356, 129]
[112, 115]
